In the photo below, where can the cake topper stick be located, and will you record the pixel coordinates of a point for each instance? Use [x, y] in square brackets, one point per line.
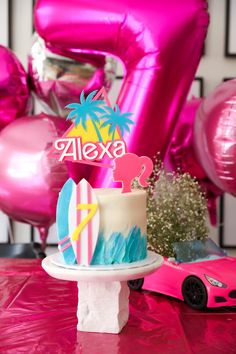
[129, 166]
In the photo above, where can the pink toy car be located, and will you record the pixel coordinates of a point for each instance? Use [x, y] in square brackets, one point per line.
[201, 274]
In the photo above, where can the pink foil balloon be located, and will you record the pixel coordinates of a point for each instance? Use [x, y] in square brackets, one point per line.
[160, 44]
[58, 81]
[181, 155]
[215, 136]
[30, 179]
[14, 92]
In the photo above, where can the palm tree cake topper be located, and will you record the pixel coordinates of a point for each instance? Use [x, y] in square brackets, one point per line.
[96, 134]
[116, 121]
[96, 138]
[87, 109]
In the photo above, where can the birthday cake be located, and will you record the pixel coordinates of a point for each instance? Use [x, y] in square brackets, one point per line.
[115, 233]
[102, 226]
[122, 230]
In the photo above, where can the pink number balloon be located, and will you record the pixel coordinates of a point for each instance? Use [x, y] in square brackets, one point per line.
[30, 179]
[181, 155]
[14, 92]
[215, 136]
[160, 44]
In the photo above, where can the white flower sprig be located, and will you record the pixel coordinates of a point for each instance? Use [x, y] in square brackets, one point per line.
[176, 209]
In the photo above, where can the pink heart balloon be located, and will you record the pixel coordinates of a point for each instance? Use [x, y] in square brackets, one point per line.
[30, 178]
[160, 44]
[14, 92]
[215, 136]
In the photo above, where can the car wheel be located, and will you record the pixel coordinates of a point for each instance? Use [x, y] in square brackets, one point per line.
[194, 293]
[136, 284]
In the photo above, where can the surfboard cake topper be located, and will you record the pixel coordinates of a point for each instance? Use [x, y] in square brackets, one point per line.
[77, 222]
[96, 134]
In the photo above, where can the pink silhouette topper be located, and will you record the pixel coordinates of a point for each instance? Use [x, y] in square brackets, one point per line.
[129, 166]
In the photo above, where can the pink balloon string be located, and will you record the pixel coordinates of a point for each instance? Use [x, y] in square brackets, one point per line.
[160, 53]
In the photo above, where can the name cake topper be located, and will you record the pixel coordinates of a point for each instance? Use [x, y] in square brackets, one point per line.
[96, 133]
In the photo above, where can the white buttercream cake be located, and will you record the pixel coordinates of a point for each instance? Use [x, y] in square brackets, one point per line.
[114, 233]
[122, 229]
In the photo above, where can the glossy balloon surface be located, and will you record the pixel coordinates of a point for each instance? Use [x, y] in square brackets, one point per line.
[58, 80]
[181, 155]
[30, 178]
[215, 136]
[160, 44]
[14, 92]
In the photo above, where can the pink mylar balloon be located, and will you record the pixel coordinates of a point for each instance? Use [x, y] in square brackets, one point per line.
[181, 155]
[160, 44]
[58, 80]
[30, 179]
[215, 136]
[14, 92]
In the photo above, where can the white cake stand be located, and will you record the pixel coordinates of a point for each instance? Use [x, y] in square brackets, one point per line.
[103, 304]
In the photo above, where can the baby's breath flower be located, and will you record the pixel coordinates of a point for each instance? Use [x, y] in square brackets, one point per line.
[176, 209]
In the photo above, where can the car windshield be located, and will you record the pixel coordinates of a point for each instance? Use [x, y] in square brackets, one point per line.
[197, 251]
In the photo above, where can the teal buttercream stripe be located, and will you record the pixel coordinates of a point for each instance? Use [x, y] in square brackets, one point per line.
[99, 253]
[143, 253]
[120, 249]
[63, 209]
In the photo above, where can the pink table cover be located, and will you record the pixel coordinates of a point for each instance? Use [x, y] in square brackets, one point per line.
[38, 315]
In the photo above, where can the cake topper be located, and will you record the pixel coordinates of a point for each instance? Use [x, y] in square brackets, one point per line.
[129, 166]
[96, 134]
[77, 222]
[96, 138]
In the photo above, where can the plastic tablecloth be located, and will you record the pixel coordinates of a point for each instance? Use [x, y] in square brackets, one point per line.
[38, 315]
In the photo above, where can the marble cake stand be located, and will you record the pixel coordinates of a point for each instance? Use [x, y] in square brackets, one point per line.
[103, 304]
